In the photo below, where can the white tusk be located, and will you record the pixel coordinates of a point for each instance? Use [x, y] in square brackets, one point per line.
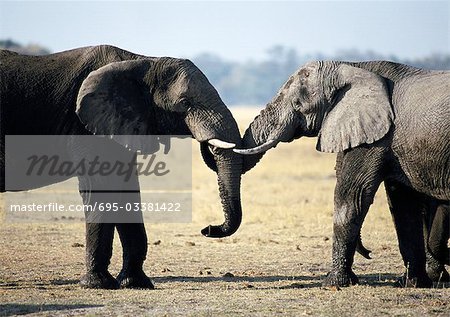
[258, 149]
[221, 144]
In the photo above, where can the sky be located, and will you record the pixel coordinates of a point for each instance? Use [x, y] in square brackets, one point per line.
[234, 30]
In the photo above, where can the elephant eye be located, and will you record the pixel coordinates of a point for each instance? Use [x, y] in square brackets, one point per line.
[304, 81]
[182, 105]
[304, 93]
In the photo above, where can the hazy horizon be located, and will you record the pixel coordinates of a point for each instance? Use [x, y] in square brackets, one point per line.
[234, 30]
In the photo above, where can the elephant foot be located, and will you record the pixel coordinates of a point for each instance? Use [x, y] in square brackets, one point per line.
[102, 280]
[340, 278]
[437, 273]
[443, 281]
[136, 279]
[422, 281]
[439, 277]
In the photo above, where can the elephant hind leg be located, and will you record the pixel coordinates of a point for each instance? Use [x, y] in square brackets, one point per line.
[407, 206]
[439, 234]
[438, 223]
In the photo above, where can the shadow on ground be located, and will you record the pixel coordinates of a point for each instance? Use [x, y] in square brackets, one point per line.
[375, 280]
[22, 284]
[256, 282]
[22, 309]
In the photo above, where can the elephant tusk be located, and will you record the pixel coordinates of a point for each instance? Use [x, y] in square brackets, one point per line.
[258, 149]
[221, 144]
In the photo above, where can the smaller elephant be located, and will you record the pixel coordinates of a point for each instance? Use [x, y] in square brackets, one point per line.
[388, 123]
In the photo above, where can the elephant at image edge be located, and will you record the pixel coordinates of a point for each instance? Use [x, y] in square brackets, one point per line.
[108, 91]
[388, 122]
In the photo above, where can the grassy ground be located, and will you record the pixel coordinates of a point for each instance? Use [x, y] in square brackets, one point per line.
[277, 258]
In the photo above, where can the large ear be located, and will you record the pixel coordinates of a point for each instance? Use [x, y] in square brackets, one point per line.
[114, 101]
[361, 113]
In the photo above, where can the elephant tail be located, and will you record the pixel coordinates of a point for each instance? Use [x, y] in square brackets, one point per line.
[361, 249]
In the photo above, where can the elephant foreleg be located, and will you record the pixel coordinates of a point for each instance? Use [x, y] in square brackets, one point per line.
[345, 234]
[358, 177]
[134, 243]
[99, 243]
[99, 238]
[133, 237]
[406, 207]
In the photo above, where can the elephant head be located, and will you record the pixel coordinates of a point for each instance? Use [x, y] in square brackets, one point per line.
[167, 96]
[343, 105]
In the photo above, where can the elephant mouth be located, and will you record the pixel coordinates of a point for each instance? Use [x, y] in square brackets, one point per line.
[298, 133]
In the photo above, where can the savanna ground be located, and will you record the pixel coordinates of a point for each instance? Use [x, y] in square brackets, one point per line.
[272, 266]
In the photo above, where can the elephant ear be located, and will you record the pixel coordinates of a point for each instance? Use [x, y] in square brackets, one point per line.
[114, 101]
[360, 113]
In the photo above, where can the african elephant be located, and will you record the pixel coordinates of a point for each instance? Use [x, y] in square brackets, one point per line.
[387, 122]
[108, 91]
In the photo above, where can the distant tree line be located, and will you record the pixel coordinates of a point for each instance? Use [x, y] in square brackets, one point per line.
[256, 82]
[30, 49]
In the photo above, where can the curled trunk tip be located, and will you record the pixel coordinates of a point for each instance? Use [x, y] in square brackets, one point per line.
[220, 231]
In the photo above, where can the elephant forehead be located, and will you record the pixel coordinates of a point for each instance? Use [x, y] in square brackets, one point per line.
[290, 82]
[310, 66]
[289, 90]
[185, 84]
[180, 84]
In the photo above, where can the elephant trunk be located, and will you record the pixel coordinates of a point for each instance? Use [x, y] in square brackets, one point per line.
[229, 166]
[206, 127]
[251, 140]
[268, 129]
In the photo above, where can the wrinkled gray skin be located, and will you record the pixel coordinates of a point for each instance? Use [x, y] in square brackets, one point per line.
[109, 91]
[388, 122]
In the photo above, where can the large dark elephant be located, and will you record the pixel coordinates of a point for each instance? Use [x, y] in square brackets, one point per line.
[105, 90]
[387, 122]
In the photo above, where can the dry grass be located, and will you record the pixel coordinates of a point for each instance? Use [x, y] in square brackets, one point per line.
[278, 256]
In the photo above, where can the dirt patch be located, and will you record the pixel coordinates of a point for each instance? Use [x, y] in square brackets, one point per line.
[273, 265]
